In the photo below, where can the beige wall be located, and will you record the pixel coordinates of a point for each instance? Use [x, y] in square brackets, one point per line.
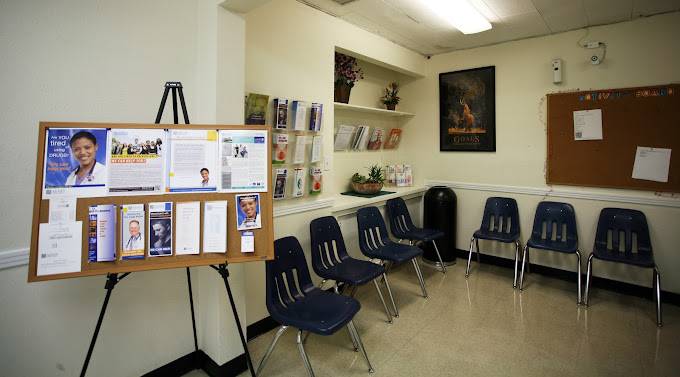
[642, 52]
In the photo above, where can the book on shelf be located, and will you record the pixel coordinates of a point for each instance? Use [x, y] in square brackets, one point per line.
[361, 138]
[343, 137]
[299, 115]
[281, 113]
[393, 138]
[316, 181]
[256, 108]
[376, 139]
[315, 117]
[281, 178]
[280, 148]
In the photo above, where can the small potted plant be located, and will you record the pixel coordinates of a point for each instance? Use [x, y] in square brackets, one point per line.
[371, 184]
[391, 98]
[347, 73]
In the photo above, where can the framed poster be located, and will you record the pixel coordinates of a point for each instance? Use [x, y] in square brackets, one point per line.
[467, 110]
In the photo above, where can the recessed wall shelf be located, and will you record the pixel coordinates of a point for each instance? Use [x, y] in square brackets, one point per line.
[372, 110]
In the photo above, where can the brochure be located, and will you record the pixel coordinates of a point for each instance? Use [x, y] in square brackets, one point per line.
[248, 211]
[75, 162]
[132, 231]
[376, 139]
[315, 117]
[215, 227]
[243, 160]
[101, 237]
[316, 183]
[188, 228]
[393, 138]
[280, 186]
[193, 161]
[299, 115]
[137, 161]
[256, 108]
[279, 148]
[160, 229]
[316, 148]
[281, 111]
[299, 183]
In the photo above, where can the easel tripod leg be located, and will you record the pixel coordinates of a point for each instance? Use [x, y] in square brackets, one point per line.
[193, 315]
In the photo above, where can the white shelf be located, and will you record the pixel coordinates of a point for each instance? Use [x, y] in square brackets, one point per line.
[372, 110]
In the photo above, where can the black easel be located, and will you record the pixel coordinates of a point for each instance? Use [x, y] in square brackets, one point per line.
[112, 279]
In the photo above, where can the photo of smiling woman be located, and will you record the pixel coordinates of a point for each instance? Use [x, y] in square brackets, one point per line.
[75, 160]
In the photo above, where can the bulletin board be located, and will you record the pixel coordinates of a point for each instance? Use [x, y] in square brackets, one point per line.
[631, 117]
[264, 236]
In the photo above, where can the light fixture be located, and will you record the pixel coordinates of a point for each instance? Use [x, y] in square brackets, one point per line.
[461, 14]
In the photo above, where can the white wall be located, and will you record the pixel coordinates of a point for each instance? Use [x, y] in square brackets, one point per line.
[107, 61]
[639, 53]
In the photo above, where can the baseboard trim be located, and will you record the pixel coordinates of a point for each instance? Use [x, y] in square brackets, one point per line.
[261, 327]
[200, 360]
[597, 282]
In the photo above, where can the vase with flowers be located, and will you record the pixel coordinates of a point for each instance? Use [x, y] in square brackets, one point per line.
[391, 98]
[347, 73]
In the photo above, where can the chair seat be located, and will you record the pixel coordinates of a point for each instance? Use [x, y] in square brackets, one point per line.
[423, 234]
[319, 312]
[485, 234]
[352, 271]
[395, 252]
[563, 247]
[642, 260]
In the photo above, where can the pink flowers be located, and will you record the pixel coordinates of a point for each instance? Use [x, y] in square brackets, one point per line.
[347, 70]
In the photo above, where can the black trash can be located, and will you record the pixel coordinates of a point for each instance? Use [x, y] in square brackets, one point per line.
[439, 213]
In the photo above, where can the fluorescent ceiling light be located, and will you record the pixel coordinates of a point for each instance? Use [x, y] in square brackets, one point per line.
[461, 14]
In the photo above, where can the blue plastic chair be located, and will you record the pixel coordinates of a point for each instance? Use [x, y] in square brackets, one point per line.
[331, 262]
[375, 243]
[500, 222]
[292, 300]
[554, 229]
[616, 227]
[402, 227]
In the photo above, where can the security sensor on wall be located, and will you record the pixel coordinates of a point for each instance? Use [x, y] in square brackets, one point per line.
[596, 57]
[557, 71]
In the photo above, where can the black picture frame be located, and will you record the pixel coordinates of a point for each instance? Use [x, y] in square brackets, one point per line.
[467, 110]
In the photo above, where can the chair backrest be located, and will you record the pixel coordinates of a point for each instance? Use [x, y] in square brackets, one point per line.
[555, 221]
[501, 216]
[287, 277]
[616, 229]
[372, 230]
[400, 219]
[328, 246]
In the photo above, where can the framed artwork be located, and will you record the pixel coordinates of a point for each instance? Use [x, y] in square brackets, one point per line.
[467, 110]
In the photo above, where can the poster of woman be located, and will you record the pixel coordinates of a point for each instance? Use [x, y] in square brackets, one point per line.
[248, 211]
[75, 162]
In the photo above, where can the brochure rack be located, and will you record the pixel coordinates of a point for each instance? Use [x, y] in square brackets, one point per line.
[119, 269]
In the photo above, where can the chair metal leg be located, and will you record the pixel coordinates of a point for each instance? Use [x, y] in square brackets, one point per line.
[441, 262]
[525, 253]
[514, 280]
[589, 272]
[354, 342]
[305, 359]
[528, 263]
[467, 269]
[578, 277]
[389, 291]
[657, 289]
[355, 334]
[382, 299]
[304, 340]
[420, 276]
[278, 334]
[479, 253]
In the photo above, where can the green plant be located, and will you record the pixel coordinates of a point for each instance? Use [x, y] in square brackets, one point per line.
[375, 175]
[391, 94]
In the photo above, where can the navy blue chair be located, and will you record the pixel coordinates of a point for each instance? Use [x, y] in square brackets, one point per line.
[375, 243]
[554, 229]
[293, 301]
[500, 222]
[331, 262]
[402, 227]
[616, 227]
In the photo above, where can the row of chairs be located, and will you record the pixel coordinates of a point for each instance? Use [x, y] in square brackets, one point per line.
[292, 299]
[622, 236]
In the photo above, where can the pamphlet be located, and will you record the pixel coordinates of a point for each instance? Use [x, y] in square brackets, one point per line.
[247, 242]
[215, 227]
[299, 183]
[188, 228]
[299, 115]
[62, 209]
[280, 186]
[376, 139]
[75, 162]
[300, 149]
[132, 231]
[280, 148]
[101, 237]
[193, 161]
[256, 108]
[343, 137]
[316, 148]
[316, 183]
[243, 158]
[137, 161]
[160, 229]
[281, 111]
[393, 139]
[59, 248]
[315, 117]
[248, 211]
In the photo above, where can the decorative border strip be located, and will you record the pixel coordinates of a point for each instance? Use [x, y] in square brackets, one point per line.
[588, 195]
[303, 207]
[13, 258]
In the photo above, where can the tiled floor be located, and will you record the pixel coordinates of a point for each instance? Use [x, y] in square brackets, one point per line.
[480, 326]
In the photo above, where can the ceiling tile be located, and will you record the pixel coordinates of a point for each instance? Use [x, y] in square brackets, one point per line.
[508, 8]
[650, 7]
[562, 15]
[602, 12]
